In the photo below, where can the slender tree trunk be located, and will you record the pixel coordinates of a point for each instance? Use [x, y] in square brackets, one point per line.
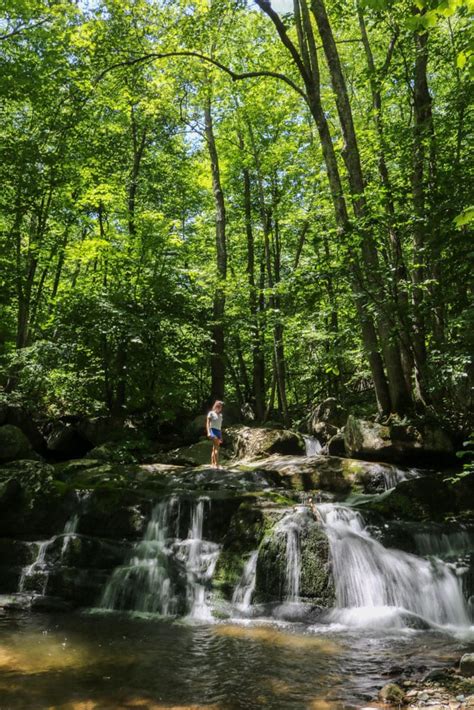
[218, 336]
[258, 357]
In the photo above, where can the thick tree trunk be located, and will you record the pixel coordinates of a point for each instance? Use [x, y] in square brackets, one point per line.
[217, 332]
[307, 64]
[400, 396]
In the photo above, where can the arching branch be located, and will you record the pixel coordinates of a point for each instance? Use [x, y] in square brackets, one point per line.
[235, 76]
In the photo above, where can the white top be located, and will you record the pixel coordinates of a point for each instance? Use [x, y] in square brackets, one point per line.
[215, 420]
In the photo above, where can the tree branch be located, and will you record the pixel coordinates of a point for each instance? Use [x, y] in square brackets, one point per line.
[235, 76]
[23, 28]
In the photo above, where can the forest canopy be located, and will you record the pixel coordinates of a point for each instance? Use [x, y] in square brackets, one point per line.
[267, 202]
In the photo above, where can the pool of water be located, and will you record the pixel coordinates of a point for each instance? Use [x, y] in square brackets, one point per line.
[89, 661]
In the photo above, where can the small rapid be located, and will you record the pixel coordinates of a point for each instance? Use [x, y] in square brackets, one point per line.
[165, 574]
[378, 586]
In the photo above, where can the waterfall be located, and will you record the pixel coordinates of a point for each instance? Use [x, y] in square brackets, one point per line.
[144, 583]
[292, 526]
[200, 558]
[162, 563]
[312, 446]
[242, 595]
[70, 529]
[37, 568]
[373, 582]
[444, 544]
[392, 476]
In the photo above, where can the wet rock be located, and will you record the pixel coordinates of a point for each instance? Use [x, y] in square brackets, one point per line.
[13, 444]
[49, 603]
[315, 580]
[392, 693]
[466, 664]
[259, 442]
[422, 443]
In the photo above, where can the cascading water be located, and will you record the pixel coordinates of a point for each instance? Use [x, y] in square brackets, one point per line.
[37, 570]
[292, 526]
[70, 530]
[376, 585]
[392, 476]
[162, 565]
[200, 558]
[144, 583]
[312, 446]
[242, 596]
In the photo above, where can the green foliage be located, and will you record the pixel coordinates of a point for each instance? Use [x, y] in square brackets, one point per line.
[107, 214]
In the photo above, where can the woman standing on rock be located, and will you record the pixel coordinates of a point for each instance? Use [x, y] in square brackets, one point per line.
[214, 430]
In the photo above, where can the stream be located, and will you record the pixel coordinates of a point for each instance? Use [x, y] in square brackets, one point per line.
[116, 660]
[316, 611]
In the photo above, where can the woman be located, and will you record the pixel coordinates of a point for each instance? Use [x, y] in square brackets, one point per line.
[214, 430]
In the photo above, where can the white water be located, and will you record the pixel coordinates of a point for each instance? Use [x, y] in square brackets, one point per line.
[242, 596]
[378, 586]
[37, 568]
[144, 582]
[293, 526]
[312, 446]
[148, 582]
[70, 530]
[393, 476]
[444, 544]
[200, 559]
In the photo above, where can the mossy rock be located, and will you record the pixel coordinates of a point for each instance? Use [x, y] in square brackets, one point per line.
[248, 526]
[14, 445]
[425, 498]
[315, 585]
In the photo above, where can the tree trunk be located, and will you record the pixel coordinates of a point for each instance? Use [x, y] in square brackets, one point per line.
[307, 64]
[258, 358]
[217, 332]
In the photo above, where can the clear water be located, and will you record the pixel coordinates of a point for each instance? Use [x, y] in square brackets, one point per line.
[112, 660]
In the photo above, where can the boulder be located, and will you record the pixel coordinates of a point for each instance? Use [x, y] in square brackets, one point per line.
[17, 416]
[399, 443]
[13, 444]
[315, 580]
[466, 665]
[258, 442]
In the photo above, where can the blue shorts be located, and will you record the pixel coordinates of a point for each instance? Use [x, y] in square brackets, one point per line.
[216, 434]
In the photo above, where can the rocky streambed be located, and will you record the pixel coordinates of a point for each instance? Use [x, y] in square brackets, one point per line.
[383, 563]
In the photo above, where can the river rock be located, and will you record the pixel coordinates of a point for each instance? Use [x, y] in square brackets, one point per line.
[466, 664]
[13, 444]
[258, 442]
[398, 443]
[392, 693]
[316, 584]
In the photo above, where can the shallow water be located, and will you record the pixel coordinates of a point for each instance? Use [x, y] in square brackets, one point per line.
[109, 661]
